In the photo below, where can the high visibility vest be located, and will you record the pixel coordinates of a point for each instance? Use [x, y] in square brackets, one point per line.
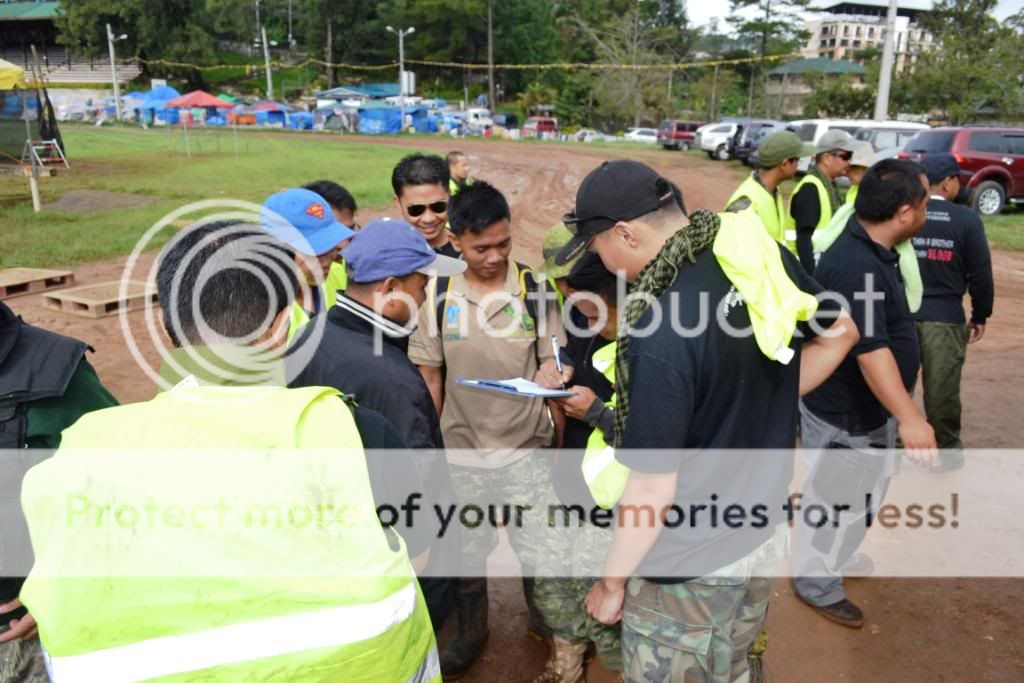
[771, 210]
[558, 293]
[336, 281]
[263, 596]
[605, 476]
[824, 218]
[851, 194]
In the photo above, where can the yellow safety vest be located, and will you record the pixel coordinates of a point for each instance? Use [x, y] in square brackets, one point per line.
[772, 210]
[269, 593]
[851, 194]
[605, 476]
[825, 216]
[336, 281]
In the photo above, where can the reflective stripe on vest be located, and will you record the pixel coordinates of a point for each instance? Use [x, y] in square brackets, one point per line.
[237, 643]
[175, 599]
[770, 210]
[605, 476]
[824, 217]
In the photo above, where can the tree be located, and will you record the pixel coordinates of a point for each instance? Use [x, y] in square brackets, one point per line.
[975, 62]
[173, 30]
[775, 28]
[838, 98]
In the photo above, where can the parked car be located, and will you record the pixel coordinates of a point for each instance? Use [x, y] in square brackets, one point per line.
[545, 127]
[811, 130]
[750, 136]
[991, 161]
[590, 135]
[648, 135]
[752, 155]
[885, 135]
[715, 140]
[506, 120]
[675, 134]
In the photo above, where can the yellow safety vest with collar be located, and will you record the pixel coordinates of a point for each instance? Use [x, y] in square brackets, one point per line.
[605, 476]
[280, 599]
[772, 210]
[336, 281]
[825, 216]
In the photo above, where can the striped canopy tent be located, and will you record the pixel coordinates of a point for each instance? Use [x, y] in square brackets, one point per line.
[11, 76]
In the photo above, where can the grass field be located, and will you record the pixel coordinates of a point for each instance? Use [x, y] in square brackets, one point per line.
[151, 164]
[154, 164]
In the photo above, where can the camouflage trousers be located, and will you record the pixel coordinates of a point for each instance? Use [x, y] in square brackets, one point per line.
[21, 661]
[699, 631]
[561, 590]
[515, 496]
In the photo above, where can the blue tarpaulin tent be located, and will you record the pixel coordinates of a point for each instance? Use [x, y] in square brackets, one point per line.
[300, 120]
[380, 121]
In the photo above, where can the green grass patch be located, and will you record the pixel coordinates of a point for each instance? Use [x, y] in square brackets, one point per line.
[154, 163]
[1007, 230]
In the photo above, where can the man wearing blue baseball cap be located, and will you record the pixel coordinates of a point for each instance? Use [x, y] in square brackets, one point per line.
[363, 353]
[304, 221]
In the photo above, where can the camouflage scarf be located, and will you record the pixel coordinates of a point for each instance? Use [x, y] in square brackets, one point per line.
[655, 278]
[830, 186]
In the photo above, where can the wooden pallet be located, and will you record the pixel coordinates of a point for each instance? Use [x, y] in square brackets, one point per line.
[100, 300]
[19, 281]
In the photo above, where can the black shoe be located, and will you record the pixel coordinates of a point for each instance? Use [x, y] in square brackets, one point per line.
[844, 612]
[471, 632]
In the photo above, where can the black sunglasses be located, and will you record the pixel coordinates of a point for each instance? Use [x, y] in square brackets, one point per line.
[417, 210]
[842, 154]
[572, 222]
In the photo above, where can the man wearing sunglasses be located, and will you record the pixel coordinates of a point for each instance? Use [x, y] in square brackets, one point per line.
[816, 198]
[420, 182]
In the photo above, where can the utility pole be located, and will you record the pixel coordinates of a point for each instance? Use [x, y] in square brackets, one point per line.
[401, 33]
[492, 103]
[113, 69]
[291, 41]
[266, 61]
[888, 59]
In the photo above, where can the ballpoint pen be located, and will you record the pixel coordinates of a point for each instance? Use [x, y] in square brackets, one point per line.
[558, 359]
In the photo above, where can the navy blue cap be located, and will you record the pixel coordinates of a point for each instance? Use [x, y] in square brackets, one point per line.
[303, 220]
[940, 166]
[392, 248]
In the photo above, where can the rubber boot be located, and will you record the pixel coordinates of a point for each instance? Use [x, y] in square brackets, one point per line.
[470, 615]
[535, 626]
[565, 664]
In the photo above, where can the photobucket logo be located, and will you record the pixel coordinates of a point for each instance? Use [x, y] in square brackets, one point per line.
[227, 289]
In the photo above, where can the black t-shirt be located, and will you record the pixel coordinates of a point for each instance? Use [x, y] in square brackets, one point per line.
[953, 255]
[805, 208]
[713, 390]
[882, 314]
[448, 249]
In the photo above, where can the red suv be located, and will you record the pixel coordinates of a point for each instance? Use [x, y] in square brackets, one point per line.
[674, 134]
[991, 161]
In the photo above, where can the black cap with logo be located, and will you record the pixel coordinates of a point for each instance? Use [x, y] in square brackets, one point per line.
[613, 192]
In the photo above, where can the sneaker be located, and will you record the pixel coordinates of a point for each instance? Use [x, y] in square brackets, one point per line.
[844, 612]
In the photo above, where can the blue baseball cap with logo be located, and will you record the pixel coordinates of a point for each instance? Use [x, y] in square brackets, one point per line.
[303, 220]
[392, 248]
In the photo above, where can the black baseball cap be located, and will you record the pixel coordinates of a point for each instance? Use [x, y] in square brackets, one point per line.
[940, 166]
[615, 191]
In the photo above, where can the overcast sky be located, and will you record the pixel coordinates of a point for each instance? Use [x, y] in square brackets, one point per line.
[702, 11]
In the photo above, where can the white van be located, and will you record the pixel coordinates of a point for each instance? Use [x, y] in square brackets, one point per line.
[812, 130]
[888, 138]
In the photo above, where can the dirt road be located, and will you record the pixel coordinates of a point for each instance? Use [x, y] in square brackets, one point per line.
[916, 630]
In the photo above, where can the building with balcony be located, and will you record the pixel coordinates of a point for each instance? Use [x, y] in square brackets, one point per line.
[841, 30]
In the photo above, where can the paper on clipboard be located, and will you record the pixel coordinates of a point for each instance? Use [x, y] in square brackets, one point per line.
[516, 387]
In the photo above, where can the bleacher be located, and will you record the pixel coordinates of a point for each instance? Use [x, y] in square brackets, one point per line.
[59, 68]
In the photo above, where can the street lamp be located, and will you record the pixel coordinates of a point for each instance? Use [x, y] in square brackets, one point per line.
[401, 33]
[266, 61]
[113, 69]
